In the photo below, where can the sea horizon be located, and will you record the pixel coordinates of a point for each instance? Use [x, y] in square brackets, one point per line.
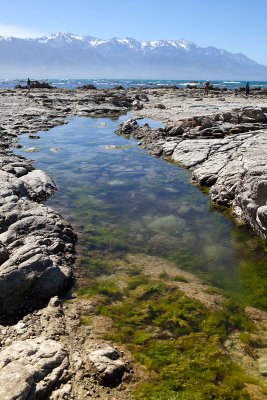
[101, 83]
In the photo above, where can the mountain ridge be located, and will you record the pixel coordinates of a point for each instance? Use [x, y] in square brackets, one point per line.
[88, 56]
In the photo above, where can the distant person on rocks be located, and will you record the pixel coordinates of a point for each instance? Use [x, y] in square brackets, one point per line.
[29, 84]
[206, 87]
[247, 89]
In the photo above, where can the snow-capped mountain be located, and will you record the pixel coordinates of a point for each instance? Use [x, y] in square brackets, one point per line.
[68, 55]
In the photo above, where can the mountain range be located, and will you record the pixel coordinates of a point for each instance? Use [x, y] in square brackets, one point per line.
[65, 55]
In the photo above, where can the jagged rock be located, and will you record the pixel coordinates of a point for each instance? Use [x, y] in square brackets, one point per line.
[30, 269]
[156, 150]
[39, 184]
[207, 173]
[137, 105]
[36, 85]
[253, 114]
[86, 87]
[177, 130]
[108, 364]
[118, 87]
[144, 97]
[160, 106]
[168, 148]
[29, 369]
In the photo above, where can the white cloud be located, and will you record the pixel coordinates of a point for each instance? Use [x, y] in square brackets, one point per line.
[19, 32]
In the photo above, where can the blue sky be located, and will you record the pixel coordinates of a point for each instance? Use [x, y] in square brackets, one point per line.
[234, 25]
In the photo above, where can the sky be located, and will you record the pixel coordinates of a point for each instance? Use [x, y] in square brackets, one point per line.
[238, 26]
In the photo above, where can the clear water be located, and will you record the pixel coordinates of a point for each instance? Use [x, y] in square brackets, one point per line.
[122, 200]
[126, 83]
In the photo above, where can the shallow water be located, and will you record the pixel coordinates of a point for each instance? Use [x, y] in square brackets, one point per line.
[122, 201]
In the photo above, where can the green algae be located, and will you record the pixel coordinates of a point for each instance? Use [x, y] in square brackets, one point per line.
[32, 149]
[175, 337]
[204, 189]
[214, 291]
[224, 210]
[85, 320]
[179, 278]
[191, 367]
[253, 341]
[107, 288]
[164, 276]
[254, 276]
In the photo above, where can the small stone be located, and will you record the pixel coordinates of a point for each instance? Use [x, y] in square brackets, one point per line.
[262, 364]
[160, 106]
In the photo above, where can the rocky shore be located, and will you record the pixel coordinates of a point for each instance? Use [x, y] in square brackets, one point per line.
[226, 152]
[45, 351]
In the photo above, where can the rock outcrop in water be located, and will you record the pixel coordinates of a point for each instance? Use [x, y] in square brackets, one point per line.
[226, 152]
[36, 85]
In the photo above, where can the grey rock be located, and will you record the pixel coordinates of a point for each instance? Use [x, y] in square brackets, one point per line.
[29, 369]
[30, 268]
[144, 97]
[108, 364]
[253, 114]
[191, 152]
[39, 184]
[160, 106]
[169, 147]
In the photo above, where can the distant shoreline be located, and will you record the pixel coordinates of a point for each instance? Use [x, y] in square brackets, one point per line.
[102, 83]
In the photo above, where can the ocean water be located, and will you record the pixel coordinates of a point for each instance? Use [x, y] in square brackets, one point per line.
[123, 201]
[126, 83]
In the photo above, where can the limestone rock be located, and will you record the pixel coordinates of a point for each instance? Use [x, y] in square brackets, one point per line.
[29, 369]
[191, 152]
[108, 365]
[39, 184]
[36, 244]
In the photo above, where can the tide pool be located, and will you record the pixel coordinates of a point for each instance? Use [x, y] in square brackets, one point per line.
[121, 200]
